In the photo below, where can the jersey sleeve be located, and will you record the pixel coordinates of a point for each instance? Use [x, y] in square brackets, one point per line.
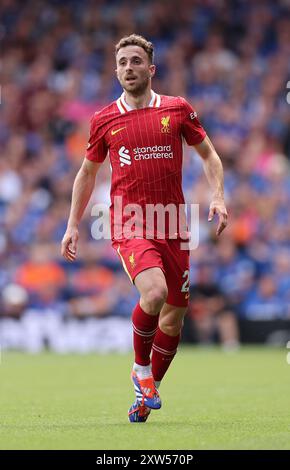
[191, 129]
[97, 148]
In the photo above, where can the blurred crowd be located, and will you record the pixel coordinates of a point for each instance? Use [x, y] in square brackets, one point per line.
[231, 60]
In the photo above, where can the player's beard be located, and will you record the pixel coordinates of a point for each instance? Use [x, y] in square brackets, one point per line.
[138, 89]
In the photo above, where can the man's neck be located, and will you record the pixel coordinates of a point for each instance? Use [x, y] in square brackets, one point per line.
[138, 102]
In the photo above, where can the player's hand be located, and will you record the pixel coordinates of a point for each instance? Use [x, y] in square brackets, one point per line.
[218, 207]
[69, 243]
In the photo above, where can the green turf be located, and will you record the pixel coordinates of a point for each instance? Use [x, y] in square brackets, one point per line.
[211, 400]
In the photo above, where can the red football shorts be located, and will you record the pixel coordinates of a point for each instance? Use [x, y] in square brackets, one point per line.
[138, 254]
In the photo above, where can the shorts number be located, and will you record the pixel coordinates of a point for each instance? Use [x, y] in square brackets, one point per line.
[185, 285]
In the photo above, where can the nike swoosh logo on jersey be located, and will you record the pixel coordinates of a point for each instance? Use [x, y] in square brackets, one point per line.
[117, 130]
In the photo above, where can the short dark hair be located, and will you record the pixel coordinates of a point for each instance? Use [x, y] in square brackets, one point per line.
[136, 40]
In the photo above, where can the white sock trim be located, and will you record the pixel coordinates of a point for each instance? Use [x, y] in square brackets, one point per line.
[143, 372]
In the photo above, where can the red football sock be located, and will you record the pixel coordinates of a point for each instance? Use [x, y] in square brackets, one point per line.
[144, 329]
[163, 351]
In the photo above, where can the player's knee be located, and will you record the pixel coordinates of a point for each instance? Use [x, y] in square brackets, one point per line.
[155, 298]
[169, 327]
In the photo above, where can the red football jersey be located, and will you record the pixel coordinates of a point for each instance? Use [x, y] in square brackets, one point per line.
[145, 150]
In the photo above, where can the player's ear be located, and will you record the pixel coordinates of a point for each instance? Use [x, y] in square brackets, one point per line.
[152, 70]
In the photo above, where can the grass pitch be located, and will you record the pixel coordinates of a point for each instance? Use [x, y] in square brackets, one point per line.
[211, 400]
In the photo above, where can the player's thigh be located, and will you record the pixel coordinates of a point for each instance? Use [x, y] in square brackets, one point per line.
[151, 279]
[143, 263]
[171, 319]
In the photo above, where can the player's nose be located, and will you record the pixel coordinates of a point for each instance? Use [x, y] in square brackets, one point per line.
[129, 67]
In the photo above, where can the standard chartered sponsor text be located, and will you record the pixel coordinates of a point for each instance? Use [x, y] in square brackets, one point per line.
[155, 151]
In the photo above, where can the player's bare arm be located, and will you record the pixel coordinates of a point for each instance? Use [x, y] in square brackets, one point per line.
[82, 190]
[214, 172]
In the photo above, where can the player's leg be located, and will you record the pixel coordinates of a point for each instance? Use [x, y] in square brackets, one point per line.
[176, 265]
[143, 263]
[153, 292]
[151, 285]
[166, 340]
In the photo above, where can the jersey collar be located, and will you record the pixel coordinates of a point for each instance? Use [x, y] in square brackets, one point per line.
[124, 107]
